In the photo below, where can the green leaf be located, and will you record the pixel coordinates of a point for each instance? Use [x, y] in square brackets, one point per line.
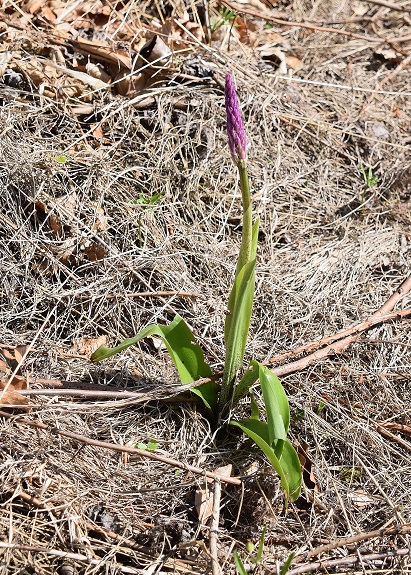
[287, 466]
[255, 426]
[239, 564]
[240, 323]
[276, 404]
[62, 159]
[255, 413]
[235, 289]
[292, 468]
[286, 566]
[145, 200]
[248, 379]
[186, 355]
[208, 393]
[152, 445]
[260, 547]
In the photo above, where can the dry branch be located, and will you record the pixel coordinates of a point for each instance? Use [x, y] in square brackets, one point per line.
[355, 329]
[323, 565]
[343, 541]
[216, 570]
[340, 345]
[390, 5]
[122, 449]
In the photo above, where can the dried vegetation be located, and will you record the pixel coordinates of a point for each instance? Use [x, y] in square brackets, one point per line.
[119, 208]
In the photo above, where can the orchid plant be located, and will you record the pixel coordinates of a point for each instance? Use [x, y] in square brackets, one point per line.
[269, 435]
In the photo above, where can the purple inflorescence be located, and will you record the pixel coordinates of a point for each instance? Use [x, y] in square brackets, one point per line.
[237, 141]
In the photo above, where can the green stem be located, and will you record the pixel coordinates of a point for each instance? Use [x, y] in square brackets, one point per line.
[245, 249]
[244, 256]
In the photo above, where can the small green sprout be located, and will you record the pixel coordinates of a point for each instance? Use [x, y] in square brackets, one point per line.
[370, 180]
[226, 15]
[250, 547]
[151, 445]
[145, 200]
[350, 474]
[299, 414]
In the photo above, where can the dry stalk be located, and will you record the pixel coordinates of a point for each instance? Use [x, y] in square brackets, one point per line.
[339, 346]
[215, 565]
[343, 561]
[390, 531]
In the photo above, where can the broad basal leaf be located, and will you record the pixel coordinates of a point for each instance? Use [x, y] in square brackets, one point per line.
[287, 466]
[186, 355]
[276, 404]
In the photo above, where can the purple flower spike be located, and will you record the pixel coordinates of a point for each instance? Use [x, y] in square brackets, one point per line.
[237, 141]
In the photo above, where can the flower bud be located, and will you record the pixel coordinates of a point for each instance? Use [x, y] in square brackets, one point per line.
[237, 141]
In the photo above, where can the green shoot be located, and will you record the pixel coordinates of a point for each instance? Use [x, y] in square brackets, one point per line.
[226, 15]
[370, 180]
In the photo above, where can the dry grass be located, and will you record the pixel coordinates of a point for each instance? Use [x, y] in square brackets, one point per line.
[331, 252]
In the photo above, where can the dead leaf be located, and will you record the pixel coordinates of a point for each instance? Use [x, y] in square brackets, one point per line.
[360, 8]
[93, 250]
[98, 135]
[307, 467]
[87, 79]
[275, 55]
[87, 346]
[17, 382]
[179, 32]
[102, 52]
[3, 368]
[246, 31]
[203, 501]
[55, 81]
[61, 212]
[97, 71]
[151, 64]
[48, 13]
[13, 358]
[13, 399]
[360, 499]
[294, 63]
[204, 498]
[34, 6]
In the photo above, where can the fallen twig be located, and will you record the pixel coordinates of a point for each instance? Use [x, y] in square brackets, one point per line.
[215, 566]
[390, 5]
[267, 17]
[354, 329]
[406, 429]
[122, 449]
[340, 345]
[343, 541]
[322, 565]
[382, 431]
